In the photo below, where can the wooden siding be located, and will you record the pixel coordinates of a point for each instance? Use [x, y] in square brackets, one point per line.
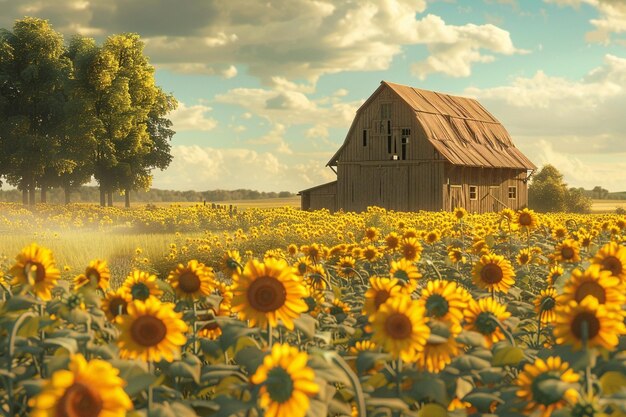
[323, 196]
[492, 188]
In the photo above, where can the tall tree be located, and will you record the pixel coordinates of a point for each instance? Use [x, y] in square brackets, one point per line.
[34, 71]
[548, 192]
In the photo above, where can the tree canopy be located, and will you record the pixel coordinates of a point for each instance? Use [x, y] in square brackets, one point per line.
[72, 112]
[548, 192]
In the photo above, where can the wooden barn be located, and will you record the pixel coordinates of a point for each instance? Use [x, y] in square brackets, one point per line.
[410, 149]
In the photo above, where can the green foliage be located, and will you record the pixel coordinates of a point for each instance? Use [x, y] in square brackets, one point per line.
[548, 192]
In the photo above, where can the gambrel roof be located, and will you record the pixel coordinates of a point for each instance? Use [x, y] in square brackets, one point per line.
[459, 128]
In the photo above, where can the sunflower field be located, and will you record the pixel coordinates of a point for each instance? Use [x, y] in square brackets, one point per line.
[284, 313]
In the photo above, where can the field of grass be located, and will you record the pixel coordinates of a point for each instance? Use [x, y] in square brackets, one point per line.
[377, 313]
[607, 206]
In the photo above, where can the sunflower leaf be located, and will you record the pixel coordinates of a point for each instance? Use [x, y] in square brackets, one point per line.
[483, 401]
[507, 355]
[306, 324]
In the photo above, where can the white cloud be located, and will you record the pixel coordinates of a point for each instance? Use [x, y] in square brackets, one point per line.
[578, 125]
[230, 72]
[204, 168]
[274, 137]
[186, 118]
[611, 20]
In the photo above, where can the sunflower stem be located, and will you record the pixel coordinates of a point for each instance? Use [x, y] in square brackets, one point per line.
[270, 340]
[585, 337]
[399, 378]
[150, 393]
[195, 319]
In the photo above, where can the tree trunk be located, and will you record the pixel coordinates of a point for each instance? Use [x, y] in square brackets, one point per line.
[31, 194]
[110, 198]
[127, 198]
[102, 198]
[25, 196]
[67, 194]
[44, 194]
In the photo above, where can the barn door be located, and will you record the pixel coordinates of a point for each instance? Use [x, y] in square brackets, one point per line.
[456, 197]
[496, 202]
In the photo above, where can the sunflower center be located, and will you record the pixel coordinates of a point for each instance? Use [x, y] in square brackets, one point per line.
[79, 400]
[491, 274]
[380, 297]
[486, 322]
[279, 384]
[525, 219]
[548, 303]
[35, 271]
[148, 331]
[542, 395]
[189, 282]
[409, 252]
[140, 291]
[567, 252]
[590, 320]
[398, 326]
[612, 264]
[437, 306]
[231, 264]
[117, 306]
[590, 288]
[93, 276]
[302, 268]
[266, 294]
[401, 275]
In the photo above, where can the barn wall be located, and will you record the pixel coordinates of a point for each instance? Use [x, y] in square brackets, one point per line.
[324, 196]
[369, 175]
[492, 188]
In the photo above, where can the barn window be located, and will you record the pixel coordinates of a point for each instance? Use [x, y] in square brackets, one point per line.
[385, 111]
[388, 144]
[364, 137]
[406, 132]
[513, 192]
[473, 192]
[405, 143]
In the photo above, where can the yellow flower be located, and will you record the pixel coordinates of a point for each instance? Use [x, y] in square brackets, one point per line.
[567, 251]
[411, 249]
[35, 267]
[151, 331]
[598, 323]
[140, 285]
[559, 232]
[443, 300]
[533, 381]
[192, 281]
[493, 273]
[399, 326]
[392, 241]
[441, 347]
[433, 236]
[545, 304]
[555, 272]
[87, 389]
[345, 266]
[287, 382]
[97, 275]
[231, 262]
[527, 219]
[406, 272]
[371, 253]
[266, 292]
[524, 257]
[456, 255]
[481, 316]
[460, 213]
[606, 288]
[380, 290]
[115, 303]
[612, 257]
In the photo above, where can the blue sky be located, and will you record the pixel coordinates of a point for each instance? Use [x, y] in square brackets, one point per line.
[268, 89]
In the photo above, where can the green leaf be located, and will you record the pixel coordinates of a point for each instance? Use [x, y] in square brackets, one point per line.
[232, 331]
[482, 400]
[507, 355]
[306, 324]
[471, 338]
[188, 367]
[65, 342]
[20, 302]
[367, 359]
[230, 407]
[468, 363]
[250, 358]
[464, 386]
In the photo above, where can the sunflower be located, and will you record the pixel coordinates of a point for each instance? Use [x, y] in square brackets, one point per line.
[231, 262]
[380, 290]
[192, 281]
[286, 382]
[406, 272]
[585, 238]
[140, 285]
[555, 272]
[460, 213]
[115, 304]
[612, 257]
[545, 305]
[606, 288]
[392, 241]
[151, 331]
[440, 347]
[443, 300]
[316, 278]
[493, 272]
[371, 253]
[432, 237]
[211, 329]
[87, 389]
[527, 219]
[600, 324]
[559, 232]
[534, 380]
[399, 326]
[371, 234]
[411, 249]
[97, 275]
[567, 251]
[266, 292]
[35, 268]
[302, 265]
[483, 315]
[524, 257]
[456, 255]
[345, 266]
[363, 346]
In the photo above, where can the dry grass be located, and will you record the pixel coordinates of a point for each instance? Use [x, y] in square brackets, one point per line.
[240, 204]
[607, 206]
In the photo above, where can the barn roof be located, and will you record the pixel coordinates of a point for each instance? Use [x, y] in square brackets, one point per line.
[459, 128]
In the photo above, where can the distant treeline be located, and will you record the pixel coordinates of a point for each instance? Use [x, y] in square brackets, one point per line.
[87, 194]
[599, 193]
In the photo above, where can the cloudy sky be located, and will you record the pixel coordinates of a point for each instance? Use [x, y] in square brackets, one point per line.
[268, 89]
